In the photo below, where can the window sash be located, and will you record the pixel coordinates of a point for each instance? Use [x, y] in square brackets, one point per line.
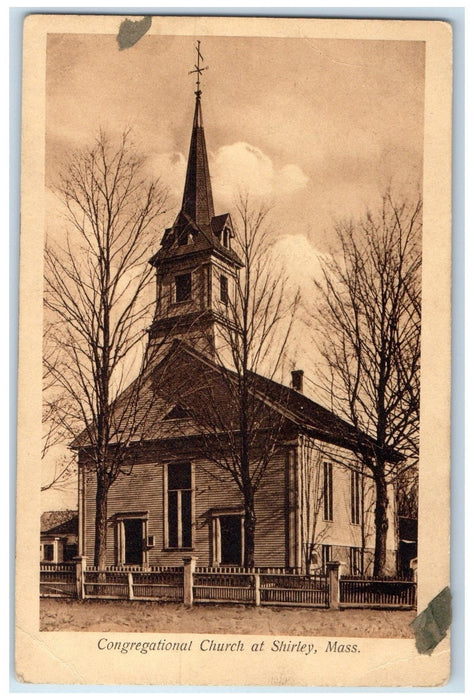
[355, 498]
[224, 289]
[183, 287]
[327, 492]
[326, 556]
[48, 552]
[355, 560]
[179, 505]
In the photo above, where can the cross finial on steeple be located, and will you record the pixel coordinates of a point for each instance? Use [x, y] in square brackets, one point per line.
[198, 69]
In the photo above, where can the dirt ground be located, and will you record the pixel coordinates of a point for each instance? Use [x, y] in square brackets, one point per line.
[134, 616]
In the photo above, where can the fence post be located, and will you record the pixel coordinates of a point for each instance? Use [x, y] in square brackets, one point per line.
[257, 589]
[80, 574]
[130, 585]
[332, 568]
[189, 567]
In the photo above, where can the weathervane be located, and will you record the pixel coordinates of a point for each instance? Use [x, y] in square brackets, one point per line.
[198, 69]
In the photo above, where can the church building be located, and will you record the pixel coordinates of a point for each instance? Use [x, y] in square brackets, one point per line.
[312, 504]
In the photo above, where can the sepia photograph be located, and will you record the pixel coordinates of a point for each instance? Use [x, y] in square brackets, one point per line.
[229, 359]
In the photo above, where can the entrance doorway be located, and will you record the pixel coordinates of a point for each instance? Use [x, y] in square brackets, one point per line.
[133, 531]
[231, 539]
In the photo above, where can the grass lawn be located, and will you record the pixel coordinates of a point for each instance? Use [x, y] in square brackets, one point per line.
[135, 616]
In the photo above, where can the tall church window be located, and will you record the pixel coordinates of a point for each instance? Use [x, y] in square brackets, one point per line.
[355, 561]
[224, 284]
[355, 498]
[326, 556]
[179, 506]
[183, 287]
[327, 492]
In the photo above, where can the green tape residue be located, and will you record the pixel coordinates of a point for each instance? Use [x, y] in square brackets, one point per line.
[432, 624]
[131, 31]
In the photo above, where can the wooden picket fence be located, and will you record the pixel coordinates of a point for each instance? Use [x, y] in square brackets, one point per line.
[164, 584]
[217, 587]
[257, 586]
[58, 580]
[377, 593]
[294, 590]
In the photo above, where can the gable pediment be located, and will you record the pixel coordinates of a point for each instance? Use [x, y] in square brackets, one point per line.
[177, 412]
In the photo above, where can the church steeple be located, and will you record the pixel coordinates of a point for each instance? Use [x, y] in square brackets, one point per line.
[196, 268]
[197, 198]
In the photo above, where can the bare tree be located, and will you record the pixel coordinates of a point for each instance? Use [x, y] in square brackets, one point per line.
[97, 303]
[232, 402]
[369, 312]
[366, 522]
[56, 431]
[64, 473]
[407, 493]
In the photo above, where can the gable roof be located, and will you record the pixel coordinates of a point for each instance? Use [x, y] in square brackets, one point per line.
[316, 420]
[195, 382]
[59, 522]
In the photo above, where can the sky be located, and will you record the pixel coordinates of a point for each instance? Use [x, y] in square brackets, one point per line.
[315, 128]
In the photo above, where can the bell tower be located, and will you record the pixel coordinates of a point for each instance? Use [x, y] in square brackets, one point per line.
[196, 268]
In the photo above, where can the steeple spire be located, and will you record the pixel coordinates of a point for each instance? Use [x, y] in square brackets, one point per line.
[197, 198]
[196, 267]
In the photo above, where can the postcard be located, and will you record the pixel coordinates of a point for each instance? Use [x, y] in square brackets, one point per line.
[234, 352]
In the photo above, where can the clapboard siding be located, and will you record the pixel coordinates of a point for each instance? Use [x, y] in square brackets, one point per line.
[270, 505]
[142, 491]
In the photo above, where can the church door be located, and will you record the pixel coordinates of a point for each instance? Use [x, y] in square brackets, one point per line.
[133, 528]
[231, 540]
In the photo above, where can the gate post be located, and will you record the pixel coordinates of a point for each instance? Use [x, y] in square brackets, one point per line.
[80, 574]
[189, 567]
[332, 568]
[257, 589]
[130, 585]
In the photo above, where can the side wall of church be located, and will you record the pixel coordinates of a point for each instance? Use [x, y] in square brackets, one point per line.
[345, 525]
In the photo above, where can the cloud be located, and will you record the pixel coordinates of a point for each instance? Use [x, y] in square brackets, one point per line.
[243, 167]
[300, 261]
[238, 167]
[290, 178]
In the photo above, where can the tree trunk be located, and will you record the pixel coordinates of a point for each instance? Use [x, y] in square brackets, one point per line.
[100, 549]
[309, 551]
[363, 533]
[250, 521]
[381, 522]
